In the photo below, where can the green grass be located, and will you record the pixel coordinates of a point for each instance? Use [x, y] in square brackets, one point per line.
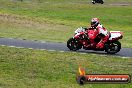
[56, 20]
[22, 68]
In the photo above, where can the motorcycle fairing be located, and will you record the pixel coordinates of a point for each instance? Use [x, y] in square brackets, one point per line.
[115, 35]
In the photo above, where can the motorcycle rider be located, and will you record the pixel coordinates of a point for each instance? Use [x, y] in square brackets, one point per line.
[98, 30]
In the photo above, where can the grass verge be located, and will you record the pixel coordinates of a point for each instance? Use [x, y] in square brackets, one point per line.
[21, 68]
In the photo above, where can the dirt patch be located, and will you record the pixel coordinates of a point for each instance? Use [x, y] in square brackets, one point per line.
[17, 20]
[119, 4]
[124, 3]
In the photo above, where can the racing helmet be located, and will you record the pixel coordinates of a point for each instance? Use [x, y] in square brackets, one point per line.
[94, 22]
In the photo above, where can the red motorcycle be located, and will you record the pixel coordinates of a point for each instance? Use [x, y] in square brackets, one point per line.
[82, 37]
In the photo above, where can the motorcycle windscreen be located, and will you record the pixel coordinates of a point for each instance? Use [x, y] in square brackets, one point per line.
[79, 30]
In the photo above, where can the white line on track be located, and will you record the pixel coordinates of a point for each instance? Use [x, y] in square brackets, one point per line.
[30, 48]
[124, 57]
[42, 41]
[19, 47]
[55, 50]
[2, 45]
[51, 50]
[10, 38]
[41, 49]
[12, 46]
[62, 51]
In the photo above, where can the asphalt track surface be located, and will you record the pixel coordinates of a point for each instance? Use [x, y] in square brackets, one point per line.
[52, 46]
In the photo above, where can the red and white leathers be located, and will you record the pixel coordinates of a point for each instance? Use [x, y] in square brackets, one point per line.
[104, 38]
[102, 33]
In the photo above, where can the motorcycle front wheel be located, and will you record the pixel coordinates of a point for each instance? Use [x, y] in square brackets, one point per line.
[113, 47]
[73, 44]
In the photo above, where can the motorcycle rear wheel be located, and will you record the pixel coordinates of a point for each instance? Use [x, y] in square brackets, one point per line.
[73, 44]
[113, 48]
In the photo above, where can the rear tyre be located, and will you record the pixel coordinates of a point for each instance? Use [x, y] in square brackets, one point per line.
[73, 44]
[113, 48]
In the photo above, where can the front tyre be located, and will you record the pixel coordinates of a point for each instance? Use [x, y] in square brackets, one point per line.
[73, 44]
[113, 47]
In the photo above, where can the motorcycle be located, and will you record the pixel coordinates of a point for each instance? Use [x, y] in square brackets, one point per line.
[82, 36]
[97, 1]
